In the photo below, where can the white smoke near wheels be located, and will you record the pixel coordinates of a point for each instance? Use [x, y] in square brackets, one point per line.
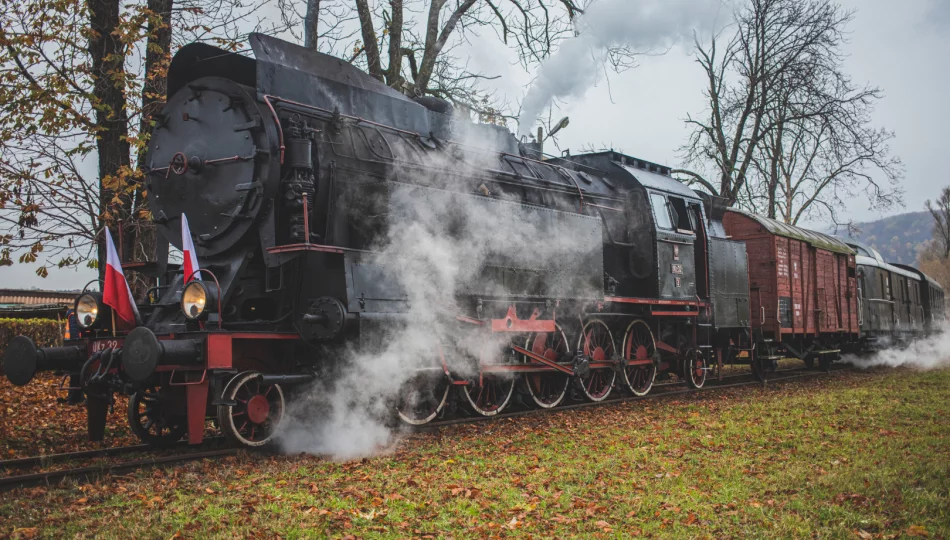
[641, 25]
[932, 352]
[436, 244]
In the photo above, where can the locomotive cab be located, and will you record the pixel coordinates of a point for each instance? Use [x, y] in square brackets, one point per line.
[657, 247]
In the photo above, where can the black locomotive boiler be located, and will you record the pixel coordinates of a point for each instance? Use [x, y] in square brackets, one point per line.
[579, 276]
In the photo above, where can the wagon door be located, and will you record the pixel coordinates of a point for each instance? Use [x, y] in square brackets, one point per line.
[825, 273]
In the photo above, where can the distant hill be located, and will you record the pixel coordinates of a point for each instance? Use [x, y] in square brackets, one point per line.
[899, 238]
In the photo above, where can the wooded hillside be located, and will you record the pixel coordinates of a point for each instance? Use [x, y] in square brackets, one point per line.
[899, 238]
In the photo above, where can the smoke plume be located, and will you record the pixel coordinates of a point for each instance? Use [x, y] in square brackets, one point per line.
[932, 352]
[435, 245]
[641, 25]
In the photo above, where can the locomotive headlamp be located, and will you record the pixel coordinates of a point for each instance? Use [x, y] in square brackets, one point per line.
[88, 310]
[197, 299]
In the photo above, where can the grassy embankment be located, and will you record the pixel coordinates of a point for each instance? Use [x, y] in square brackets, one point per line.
[850, 455]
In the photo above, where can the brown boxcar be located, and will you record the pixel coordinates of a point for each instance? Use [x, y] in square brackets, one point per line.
[802, 286]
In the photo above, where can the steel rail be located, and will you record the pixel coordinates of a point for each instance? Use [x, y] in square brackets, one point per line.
[432, 426]
[33, 461]
[97, 471]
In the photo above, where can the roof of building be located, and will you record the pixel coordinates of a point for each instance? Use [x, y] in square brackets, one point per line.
[33, 311]
[33, 297]
[816, 239]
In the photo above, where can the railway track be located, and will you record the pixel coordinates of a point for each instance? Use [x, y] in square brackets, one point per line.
[49, 459]
[663, 390]
[92, 472]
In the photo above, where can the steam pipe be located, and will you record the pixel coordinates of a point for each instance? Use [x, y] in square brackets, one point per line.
[287, 380]
[280, 129]
[306, 221]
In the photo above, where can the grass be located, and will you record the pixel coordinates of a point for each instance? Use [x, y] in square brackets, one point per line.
[862, 455]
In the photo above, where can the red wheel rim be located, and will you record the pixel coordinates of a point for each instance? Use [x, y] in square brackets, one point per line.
[597, 344]
[699, 372]
[548, 388]
[423, 396]
[639, 346]
[490, 392]
[258, 409]
[493, 394]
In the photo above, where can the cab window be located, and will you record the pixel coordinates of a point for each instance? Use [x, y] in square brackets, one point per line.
[661, 211]
[681, 215]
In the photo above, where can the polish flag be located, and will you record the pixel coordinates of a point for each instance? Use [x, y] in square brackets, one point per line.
[115, 292]
[188, 252]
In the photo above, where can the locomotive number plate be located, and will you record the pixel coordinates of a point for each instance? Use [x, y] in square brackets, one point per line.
[677, 268]
[104, 344]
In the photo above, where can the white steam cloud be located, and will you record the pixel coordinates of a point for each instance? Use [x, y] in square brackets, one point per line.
[437, 242]
[932, 352]
[641, 25]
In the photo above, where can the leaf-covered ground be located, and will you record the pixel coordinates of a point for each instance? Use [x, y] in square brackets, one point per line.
[863, 454]
[33, 423]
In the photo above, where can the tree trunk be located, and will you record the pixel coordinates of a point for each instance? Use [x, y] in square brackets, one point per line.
[140, 235]
[112, 143]
[436, 39]
[311, 24]
[373, 63]
[393, 72]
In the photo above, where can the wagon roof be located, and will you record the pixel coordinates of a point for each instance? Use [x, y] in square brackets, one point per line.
[908, 272]
[813, 238]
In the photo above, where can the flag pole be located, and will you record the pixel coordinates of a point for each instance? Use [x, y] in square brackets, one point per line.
[112, 311]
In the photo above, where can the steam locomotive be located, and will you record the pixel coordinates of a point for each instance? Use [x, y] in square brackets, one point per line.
[572, 277]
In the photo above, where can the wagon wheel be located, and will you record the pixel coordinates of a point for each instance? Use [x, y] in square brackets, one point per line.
[639, 346]
[694, 369]
[547, 388]
[762, 364]
[423, 396]
[150, 420]
[597, 344]
[489, 393]
[255, 413]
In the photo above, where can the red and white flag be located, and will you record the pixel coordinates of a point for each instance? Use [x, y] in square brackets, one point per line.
[188, 252]
[115, 292]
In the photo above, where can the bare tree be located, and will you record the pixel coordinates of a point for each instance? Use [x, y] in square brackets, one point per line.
[822, 151]
[327, 25]
[311, 24]
[786, 132]
[79, 80]
[940, 210]
[416, 56]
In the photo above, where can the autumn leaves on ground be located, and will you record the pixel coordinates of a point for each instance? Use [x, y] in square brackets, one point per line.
[852, 454]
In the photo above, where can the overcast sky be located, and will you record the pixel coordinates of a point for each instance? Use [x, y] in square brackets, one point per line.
[901, 47]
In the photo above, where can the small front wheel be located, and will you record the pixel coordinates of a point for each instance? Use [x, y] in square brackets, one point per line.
[255, 412]
[695, 369]
[151, 422]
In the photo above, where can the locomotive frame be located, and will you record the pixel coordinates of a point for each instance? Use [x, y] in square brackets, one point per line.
[294, 168]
